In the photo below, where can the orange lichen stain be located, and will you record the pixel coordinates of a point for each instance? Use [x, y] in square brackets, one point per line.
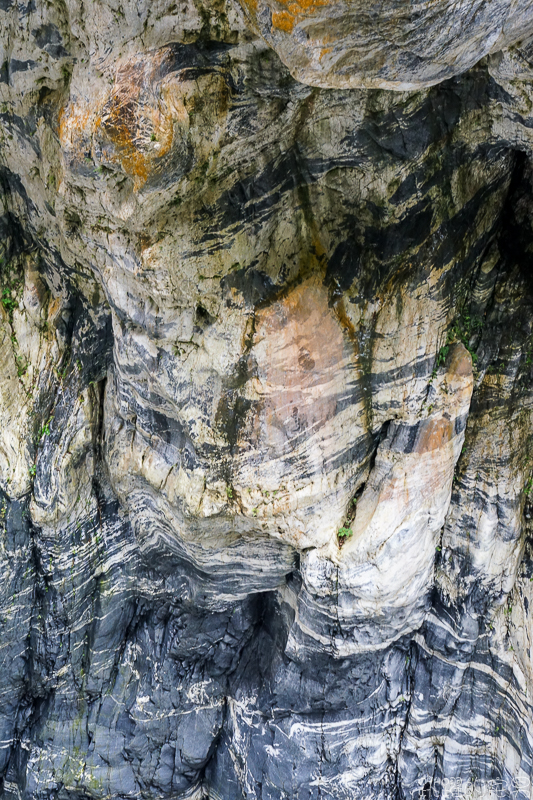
[138, 119]
[73, 124]
[61, 115]
[283, 21]
[76, 126]
[134, 122]
[287, 13]
[52, 312]
[303, 6]
[120, 125]
[294, 12]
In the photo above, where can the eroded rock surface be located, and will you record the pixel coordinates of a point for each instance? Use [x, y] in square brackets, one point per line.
[388, 45]
[267, 351]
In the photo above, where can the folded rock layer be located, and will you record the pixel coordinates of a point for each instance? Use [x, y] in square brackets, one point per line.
[267, 356]
[393, 44]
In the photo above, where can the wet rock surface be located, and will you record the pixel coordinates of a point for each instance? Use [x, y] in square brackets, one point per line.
[265, 457]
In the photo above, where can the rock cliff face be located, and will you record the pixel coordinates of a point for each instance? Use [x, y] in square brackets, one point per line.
[266, 445]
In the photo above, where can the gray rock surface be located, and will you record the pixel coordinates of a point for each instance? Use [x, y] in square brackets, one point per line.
[266, 393]
[393, 44]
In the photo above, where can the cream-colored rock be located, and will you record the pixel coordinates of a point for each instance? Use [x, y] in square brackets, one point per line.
[63, 485]
[385, 567]
[15, 457]
[29, 351]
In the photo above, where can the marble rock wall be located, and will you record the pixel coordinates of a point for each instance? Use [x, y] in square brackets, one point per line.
[266, 336]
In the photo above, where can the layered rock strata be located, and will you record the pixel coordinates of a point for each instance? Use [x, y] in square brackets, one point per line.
[390, 45]
[267, 347]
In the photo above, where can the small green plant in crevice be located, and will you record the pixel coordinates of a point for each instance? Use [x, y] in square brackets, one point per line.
[229, 492]
[343, 534]
[61, 372]
[463, 329]
[441, 355]
[496, 369]
[8, 301]
[10, 291]
[440, 361]
[22, 364]
[32, 470]
[346, 531]
[11, 284]
[45, 430]
[528, 487]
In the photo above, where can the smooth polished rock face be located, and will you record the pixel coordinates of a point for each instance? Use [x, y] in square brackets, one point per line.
[266, 446]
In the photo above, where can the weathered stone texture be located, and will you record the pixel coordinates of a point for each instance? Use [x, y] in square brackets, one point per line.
[267, 357]
[390, 45]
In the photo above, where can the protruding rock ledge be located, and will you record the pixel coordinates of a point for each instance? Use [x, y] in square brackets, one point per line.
[397, 44]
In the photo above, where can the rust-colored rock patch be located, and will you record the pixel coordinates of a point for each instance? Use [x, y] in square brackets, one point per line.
[138, 119]
[433, 434]
[131, 125]
[300, 352]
